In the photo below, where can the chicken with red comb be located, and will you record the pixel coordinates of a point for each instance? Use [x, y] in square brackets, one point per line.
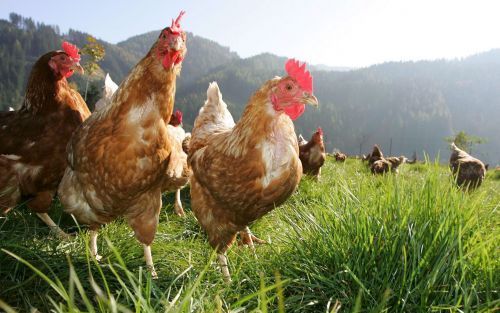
[123, 157]
[33, 139]
[242, 171]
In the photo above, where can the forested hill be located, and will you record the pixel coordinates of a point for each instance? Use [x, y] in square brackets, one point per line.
[414, 105]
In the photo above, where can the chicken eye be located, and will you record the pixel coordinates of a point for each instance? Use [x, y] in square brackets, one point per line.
[163, 36]
[288, 87]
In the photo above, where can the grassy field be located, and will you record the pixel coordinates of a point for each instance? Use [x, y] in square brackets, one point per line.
[349, 243]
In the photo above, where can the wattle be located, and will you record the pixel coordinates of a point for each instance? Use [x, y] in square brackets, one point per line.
[172, 58]
[68, 73]
[294, 110]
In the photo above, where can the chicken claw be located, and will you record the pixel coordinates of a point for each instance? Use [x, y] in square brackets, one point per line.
[248, 239]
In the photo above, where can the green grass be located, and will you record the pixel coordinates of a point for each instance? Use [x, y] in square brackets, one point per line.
[406, 243]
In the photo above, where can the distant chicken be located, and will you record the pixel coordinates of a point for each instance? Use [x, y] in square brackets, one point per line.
[33, 139]
[396, 162]
[175, 129]
[107, 93]
[375, 155]
[123, 157]
[340, 157]
[385, 165]
[312, 154]
[468, 171]
[243, 171]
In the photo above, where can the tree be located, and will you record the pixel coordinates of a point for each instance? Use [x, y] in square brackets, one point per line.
[95, 52]
[465, 141]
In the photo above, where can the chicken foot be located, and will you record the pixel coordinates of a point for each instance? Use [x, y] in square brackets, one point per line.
[248, 239]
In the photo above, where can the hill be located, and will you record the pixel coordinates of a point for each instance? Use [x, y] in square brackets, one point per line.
[402, 106]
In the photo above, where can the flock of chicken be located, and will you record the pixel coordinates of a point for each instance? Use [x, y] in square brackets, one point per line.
[117, 161]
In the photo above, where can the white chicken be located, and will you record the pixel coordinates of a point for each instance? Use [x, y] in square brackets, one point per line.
[108, 90]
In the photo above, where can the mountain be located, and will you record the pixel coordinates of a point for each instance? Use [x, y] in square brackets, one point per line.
[22, 42]
[203, 54]
[402, 106]
[324, 67]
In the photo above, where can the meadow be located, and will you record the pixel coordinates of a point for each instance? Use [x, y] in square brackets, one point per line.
[351, 242]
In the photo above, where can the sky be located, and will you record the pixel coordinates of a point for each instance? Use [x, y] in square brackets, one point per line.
[351, 33]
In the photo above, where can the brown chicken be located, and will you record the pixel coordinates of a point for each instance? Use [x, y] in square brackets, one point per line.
[384, 165]
[174, 127]
[33, 139]
[123, 157]
[375, 155]
[469, 172]
[340, 157]
[312, 154]
[243, 171]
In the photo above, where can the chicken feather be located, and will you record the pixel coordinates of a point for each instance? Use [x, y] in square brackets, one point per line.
[242, 171]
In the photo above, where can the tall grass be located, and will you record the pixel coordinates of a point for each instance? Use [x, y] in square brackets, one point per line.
[352, 242]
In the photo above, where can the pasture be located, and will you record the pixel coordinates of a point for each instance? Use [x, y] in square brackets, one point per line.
[352, 242]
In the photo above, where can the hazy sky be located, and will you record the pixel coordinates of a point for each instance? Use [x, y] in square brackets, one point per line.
[333, 32]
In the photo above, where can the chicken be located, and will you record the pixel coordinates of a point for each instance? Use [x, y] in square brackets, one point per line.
[312, 154]
[469, 172]
[243, 171]
[108, 90]
[123, 157]
[396, 162]
[340, 157]
[384, 165]
[380, 166]
[375, 155]
[175, 129]
[33, 139]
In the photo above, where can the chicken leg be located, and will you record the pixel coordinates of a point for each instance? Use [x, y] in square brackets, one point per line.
[178, 204]
[53, 226]
[93, 245]
[149, 261]
[222, 259]
[41, 205]
[145, 224]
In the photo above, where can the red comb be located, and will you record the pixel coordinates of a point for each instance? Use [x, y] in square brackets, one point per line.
[178, 114]
[300, 74]
[175, 28]
[71, 51]
[320, 131]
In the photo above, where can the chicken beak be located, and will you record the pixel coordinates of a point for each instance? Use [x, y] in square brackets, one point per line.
[310, 99]
[176, 44]
[77, 68]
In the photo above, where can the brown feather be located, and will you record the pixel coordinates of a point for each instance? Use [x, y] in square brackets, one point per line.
[229, 186]
[33, 140]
